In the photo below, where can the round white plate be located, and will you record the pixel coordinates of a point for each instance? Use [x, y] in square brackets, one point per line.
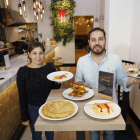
[131, 70]
[45, 117]
[53, 74]
[135, 75]
[91, 112]
[87, 95]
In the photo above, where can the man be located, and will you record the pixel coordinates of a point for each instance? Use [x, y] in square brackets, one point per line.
[99, 59]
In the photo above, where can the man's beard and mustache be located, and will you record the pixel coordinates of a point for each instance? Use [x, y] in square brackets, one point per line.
[98, 52]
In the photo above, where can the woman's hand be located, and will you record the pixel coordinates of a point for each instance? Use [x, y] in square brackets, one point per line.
[60, 82]
[27, 123]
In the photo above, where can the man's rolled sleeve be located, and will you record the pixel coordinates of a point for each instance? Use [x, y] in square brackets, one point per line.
[78, 75]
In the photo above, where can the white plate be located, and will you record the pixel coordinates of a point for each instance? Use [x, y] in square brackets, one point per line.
[53, 74]
[135, 75]
[87, 95]
[45, 117]
[91, 112]
[131, 69]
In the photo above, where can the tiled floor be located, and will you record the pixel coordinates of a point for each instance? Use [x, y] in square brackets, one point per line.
[72, 135]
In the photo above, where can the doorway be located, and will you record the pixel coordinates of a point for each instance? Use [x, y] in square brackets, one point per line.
[82, 26]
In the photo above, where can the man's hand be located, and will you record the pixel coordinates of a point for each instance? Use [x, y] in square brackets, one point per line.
[27, 123]
[60, 82]
[132, 81]
[86, 85]
[136, 80]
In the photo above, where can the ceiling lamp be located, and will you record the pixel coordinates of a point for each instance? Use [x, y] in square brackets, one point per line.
[24, 8]
[101, 18]
[87, 21]
[38, 9]
[91, 20]
[96, 19]
[7, 2]
[20, 8]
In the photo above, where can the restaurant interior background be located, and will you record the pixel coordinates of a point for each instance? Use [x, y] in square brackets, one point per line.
[121, 23]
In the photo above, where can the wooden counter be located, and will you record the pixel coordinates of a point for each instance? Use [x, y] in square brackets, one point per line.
[81, 121]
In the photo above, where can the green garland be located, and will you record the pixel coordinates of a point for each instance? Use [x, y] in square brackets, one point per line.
[62, 31]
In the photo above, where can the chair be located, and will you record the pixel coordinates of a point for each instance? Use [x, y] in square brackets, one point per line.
[56, 58]
[120, 94]
[56, 63]
[128, 62]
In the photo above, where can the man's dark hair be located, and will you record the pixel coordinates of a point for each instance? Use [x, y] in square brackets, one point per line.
[96, 29]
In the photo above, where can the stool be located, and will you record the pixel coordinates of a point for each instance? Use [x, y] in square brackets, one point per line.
[56, 58]
[58, 64]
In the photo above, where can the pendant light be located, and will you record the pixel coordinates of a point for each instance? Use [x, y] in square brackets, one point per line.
[7, 2]
[96, 19]
[24, 8]
[34, 4]
[101, 18]
[38, 10]
[43, 10]
[37, 17]
[20, 8]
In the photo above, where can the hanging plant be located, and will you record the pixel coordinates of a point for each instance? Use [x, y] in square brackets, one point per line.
[62, 20]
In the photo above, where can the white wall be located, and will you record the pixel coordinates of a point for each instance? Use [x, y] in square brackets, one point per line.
[119, 29]
[135, 55]
[122, 24]
[67, 53]
[106, 21]
[135, 33]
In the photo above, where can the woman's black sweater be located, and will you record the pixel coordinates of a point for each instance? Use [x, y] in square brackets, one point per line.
[34, 87]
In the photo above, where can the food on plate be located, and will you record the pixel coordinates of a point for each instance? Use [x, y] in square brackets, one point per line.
[78, 89]
[58, 109]
[102, 109]
[61, 76]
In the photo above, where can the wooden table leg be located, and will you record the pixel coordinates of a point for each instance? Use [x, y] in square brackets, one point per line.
[125, 105]
[80, 135]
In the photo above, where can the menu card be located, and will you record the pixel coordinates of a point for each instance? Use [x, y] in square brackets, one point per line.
[105, 85]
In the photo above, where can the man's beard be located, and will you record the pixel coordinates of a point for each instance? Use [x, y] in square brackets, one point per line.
[98, 52]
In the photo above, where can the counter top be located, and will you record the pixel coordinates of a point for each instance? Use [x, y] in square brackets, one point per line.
[7, 48]
[17, 62]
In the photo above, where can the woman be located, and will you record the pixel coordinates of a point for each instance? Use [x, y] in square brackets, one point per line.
[34, 87]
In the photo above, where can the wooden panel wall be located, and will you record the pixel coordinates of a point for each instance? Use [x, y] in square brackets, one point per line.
[10, 116]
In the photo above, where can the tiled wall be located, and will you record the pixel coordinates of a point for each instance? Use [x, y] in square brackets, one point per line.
[9, 112]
